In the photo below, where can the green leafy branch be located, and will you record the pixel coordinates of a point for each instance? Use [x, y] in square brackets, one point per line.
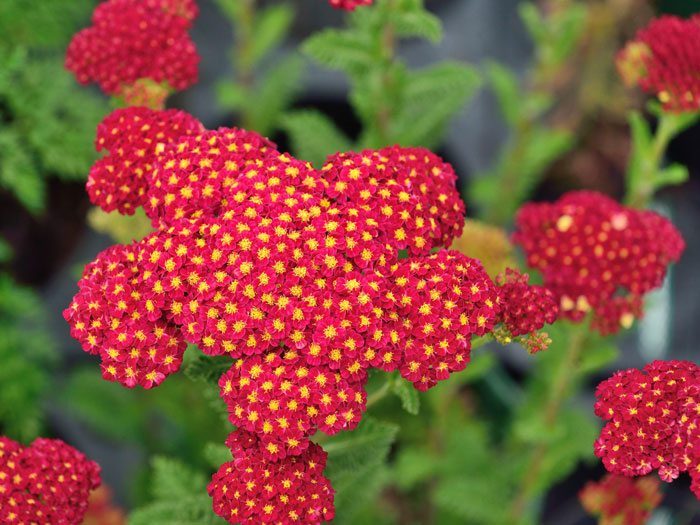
[395, 105]
[259, 95]
[533, 144]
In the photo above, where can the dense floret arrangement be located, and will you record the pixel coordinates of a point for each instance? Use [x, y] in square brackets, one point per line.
[133, 40]
[46, 482]
[292, 272]
[526, 307]
[664, 60]
[251, 489]
[132, 137]
[652, 421]
[597, 255]
[617, 500]
[349, 5]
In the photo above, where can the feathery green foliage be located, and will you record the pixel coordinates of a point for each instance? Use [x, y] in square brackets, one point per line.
[396, 105]
[27, 354]
[39, 100]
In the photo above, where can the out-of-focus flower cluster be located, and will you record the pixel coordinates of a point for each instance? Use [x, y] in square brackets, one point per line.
[46, 482]
[664, 60]
[618, 500]
[597, 255]
[349, 5]
[101, 510]
[130, 41]
[652, 421]
[292, 272]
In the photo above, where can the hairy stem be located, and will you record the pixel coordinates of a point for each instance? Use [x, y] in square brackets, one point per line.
[558, 393]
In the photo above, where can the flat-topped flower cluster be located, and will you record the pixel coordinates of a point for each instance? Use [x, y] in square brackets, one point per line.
[46, 482]
[652, 418]
[292, 272]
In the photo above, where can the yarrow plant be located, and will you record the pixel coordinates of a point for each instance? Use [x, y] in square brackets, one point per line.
[302, 284]
[46, 482]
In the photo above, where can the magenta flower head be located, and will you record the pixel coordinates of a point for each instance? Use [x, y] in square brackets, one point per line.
[135, 41]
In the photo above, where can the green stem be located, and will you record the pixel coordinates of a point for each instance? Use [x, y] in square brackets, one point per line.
[641, 185]
[243, 47]
[556, 396]
[379, 394]
[382, 117]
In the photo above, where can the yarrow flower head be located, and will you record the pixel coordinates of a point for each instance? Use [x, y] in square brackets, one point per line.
[133, 40]
[293, 273]
[618, 500]
[349, 5]
[525, 308]
[46, 482]
[652, 421]
[596, 254]
[133, 138]
[252, 490]
[664, 60]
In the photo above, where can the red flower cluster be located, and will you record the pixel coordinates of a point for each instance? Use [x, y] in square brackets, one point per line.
[46, 482]
[349, 5]
[664, 60]
[441, 302]
[133, 137]
[618, 500]
[131, 40]
[409, 191]
[283, 400]
[119, 315]
[294, 274]
[251, 490]
[652, 417]
[525, 308]
[596, 254]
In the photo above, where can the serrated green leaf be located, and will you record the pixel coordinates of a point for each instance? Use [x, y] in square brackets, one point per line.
[173, 480]
[432, 96]
[356, 465]
[207, 369]
[506, 87]
[190, 510]
[217, 454]
[534, 23]
[353, 452]
[274, 93]
[417, 23]
[270, 27]
[348, 51]
[474, 501]
[410, 401]
[313, 135]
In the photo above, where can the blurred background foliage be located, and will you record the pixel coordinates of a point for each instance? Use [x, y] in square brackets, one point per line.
[477, 448]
